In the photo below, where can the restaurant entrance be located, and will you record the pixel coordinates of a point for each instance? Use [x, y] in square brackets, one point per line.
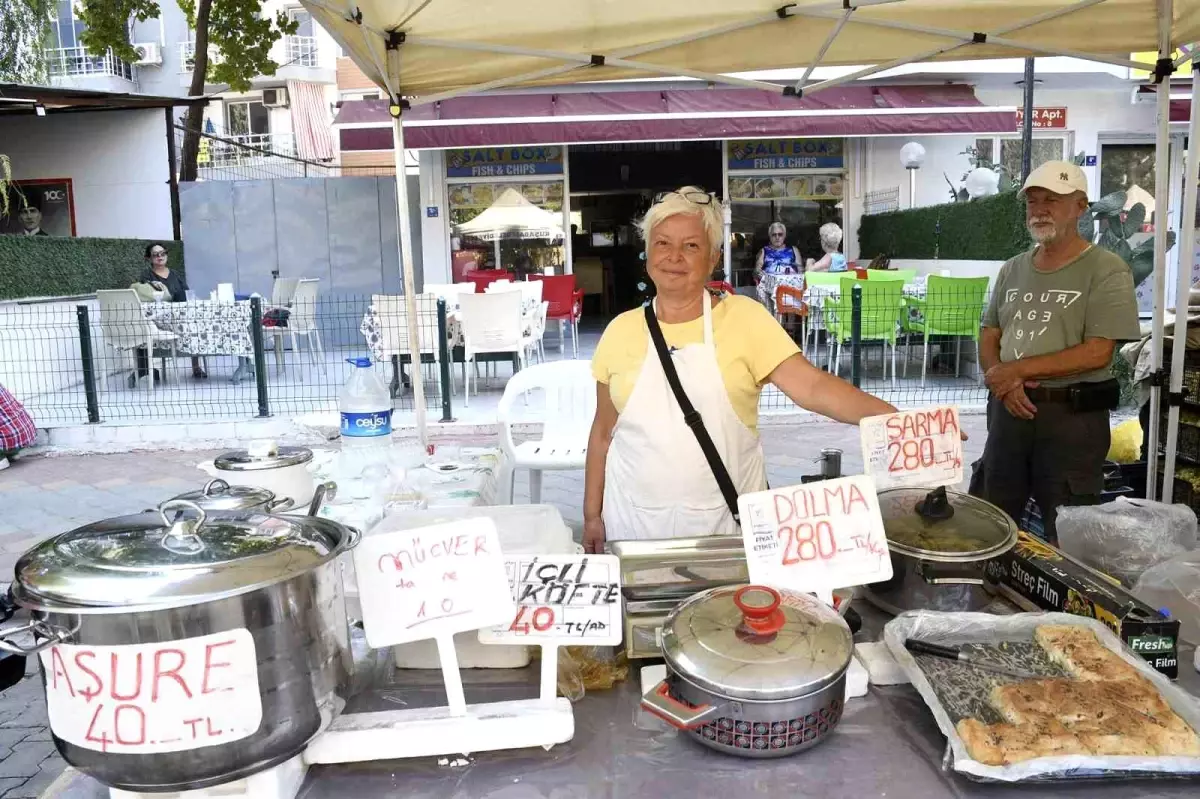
[612, 185]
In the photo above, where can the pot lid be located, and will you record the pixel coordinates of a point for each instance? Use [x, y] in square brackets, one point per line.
[944, 525]
[262, 455]
[756, 643]
[176, 556]
[219, 495]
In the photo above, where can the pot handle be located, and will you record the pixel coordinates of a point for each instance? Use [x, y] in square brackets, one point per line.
[53, 637]
[658, 700]
[943, 576]
[215, 486]
[283, 503]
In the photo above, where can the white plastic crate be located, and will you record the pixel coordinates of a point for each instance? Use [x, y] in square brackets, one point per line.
[281, 782]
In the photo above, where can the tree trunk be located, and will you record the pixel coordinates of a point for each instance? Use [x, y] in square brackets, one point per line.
[193, 120]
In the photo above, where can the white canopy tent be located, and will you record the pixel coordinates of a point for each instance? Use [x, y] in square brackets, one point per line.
[424, 51]
[512, 216]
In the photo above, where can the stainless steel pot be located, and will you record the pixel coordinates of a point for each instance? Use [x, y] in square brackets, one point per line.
[219, 495]
[752, 671]
[939, 542]
[283, 470]
[119, 587]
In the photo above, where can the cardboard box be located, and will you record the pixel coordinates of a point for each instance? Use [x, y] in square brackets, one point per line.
[1037, 576]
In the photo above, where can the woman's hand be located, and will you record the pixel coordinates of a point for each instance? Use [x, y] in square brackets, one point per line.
[594, 536]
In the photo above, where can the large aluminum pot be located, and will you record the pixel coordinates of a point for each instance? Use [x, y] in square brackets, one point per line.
[939, 542]
[181, 649]
[752, 671]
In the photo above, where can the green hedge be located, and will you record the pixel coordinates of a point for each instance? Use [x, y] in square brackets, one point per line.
[990, 229]
[46, 266]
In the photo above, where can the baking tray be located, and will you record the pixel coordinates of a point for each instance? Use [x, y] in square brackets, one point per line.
[954, 691]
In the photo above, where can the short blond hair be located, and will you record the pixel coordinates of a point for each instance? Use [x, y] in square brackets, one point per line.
[674, 203]
[831, 236]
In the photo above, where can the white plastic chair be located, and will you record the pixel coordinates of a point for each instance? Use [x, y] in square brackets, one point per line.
[450, 292]
[570, 397]
[532, 290]
[491, 322]
[393, 325]
[282, 291]
[538, 332]
[302, 321]
[126, 328]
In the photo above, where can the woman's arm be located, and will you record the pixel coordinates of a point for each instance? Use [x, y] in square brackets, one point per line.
[593, 475]
[820, 392]
[821, 265]
[758, 262]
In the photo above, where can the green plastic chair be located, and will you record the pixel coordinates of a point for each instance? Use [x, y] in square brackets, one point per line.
[953, 306]
[903, 275]
[825, 278]
[882, 302]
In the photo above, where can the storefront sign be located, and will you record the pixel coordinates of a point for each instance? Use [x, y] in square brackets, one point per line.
[40, 208]
[781, 154]
[432, 582]
[563, 599]
[147, 698]
[913, 448]
[1044, 118]
[498, 162]
[818, 536]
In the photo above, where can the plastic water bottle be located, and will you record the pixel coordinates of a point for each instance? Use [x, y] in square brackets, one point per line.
[366, 409]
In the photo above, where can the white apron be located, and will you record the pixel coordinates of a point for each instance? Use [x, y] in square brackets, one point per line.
[657, 483]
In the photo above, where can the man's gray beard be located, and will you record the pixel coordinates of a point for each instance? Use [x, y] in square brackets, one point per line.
[1044, 236]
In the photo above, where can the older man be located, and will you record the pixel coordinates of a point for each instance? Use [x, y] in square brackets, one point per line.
[1049, 332]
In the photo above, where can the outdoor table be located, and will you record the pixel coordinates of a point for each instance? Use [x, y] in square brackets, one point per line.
[205, 327]
[768, 283]
[887, 744]
[815, 297]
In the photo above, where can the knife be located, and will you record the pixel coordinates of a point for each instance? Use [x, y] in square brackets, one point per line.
[954, 653]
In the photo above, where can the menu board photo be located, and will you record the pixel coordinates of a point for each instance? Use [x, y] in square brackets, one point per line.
[798, 187]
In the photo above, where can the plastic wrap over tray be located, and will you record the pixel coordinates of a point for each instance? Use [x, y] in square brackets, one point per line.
[962, 629]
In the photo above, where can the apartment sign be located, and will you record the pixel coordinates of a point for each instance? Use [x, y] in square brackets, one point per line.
[1044, 118]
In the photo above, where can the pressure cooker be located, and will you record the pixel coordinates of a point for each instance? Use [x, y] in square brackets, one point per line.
[752, 671]
[182, 649]
[940, 541]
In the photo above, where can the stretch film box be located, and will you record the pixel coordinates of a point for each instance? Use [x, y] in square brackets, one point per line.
[1038, 576]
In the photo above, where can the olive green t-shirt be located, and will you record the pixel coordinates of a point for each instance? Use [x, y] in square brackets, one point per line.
[1040, 313]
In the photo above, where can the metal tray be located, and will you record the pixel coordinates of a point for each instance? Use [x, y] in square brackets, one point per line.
[679, 567]
[954, 691]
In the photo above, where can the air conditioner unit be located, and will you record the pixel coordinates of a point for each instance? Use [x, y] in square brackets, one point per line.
[275, 98]
[148, 53]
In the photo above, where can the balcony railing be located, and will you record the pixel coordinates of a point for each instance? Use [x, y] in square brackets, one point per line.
[77, 61]
[187, 56]
[300, 51]
[253, 147]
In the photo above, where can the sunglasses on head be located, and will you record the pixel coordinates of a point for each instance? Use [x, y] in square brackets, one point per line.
[697, 197]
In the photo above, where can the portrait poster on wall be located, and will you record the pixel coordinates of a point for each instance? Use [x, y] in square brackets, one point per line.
[43, 207]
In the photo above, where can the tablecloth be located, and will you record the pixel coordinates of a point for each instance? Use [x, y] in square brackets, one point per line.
[204, 327]
[768, 284]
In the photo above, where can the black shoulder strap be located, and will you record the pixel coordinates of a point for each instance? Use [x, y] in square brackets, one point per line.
[692, 417]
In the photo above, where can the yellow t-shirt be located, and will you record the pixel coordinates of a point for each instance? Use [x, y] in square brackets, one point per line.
[748, 340]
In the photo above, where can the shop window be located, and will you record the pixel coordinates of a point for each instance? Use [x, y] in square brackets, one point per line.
[801, 202]
[507, 225]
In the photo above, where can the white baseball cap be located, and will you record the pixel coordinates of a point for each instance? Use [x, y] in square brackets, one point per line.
[1059, 177]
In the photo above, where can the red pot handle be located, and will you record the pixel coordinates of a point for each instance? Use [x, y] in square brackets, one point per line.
[759, 617]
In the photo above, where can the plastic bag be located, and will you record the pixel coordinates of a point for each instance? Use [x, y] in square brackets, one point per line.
[1174, 585]
[1126, 537]
[587, 668]
[1126, 444]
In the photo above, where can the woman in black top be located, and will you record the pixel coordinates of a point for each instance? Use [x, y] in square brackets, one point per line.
[160, 276]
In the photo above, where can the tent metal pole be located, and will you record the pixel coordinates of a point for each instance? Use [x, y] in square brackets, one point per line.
[1162, 201]
[404, 226]
[1189, 53]
[1187, 244]
[820, 56]
[1027, 127]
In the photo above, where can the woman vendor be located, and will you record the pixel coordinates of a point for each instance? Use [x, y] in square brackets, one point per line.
[647, 475]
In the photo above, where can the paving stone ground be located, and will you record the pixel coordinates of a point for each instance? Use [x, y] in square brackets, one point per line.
[41, 496]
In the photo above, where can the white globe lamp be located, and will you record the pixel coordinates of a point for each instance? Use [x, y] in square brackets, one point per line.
[982, 182]
[912, 157]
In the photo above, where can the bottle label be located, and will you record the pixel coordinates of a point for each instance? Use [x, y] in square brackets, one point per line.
[372, 423]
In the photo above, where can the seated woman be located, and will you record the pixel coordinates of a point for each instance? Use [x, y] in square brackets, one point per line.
[832, 260]
[778, 257]
[646, 474]
[160, 276]
[16, 427]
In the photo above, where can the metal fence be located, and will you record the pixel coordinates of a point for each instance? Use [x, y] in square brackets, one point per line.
[110, 358]
[912, 344]
[235, 156]
[881, 201]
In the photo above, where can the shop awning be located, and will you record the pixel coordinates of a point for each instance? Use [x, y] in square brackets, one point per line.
[579, 117]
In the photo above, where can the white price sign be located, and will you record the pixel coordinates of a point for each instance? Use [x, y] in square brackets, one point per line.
[815, 537]
[562, 599]
[921, 448]
[431, 582]
[148, 698]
